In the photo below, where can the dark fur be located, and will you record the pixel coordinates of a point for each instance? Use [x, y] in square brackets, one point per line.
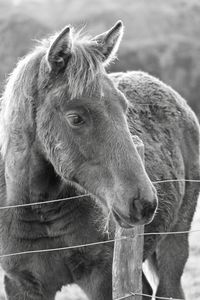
[32, 171]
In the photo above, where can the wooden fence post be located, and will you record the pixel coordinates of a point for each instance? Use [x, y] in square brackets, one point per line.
[128, 255]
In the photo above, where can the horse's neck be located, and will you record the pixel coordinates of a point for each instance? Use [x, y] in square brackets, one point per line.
[31, 181]
[44, 184]
[54, 219]
[29, 178]
[68, 216]
[35, 180]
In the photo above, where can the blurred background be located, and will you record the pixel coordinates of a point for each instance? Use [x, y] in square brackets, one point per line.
[161, 37]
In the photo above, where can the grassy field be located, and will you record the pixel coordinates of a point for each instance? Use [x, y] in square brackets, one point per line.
[191, 277]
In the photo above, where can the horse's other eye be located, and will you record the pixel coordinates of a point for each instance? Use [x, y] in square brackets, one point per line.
[75, 120]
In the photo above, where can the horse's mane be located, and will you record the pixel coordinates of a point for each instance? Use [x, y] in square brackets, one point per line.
[85, 66]
[82, 73]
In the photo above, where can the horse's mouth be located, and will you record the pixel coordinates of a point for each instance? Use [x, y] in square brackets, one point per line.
[121, 219]
[130, 222]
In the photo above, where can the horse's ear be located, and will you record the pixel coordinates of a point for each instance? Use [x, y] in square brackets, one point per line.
[60, 50]
[108, 42]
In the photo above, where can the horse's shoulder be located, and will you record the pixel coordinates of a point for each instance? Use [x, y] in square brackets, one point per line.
[141, 87]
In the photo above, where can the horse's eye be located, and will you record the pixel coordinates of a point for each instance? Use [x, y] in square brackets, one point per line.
[75, 120]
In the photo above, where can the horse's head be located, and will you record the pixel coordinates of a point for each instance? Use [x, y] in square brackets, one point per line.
[83, 129]
[81, 125]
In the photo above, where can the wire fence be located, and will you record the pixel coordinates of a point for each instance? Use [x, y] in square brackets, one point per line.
[44, 202]
[130, 294]
[86, 195]
[95, 243]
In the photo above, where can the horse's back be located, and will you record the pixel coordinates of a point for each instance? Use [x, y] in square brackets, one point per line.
[166, 124]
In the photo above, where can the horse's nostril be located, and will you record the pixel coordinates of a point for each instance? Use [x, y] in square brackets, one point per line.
[149, 210]
[136, 207]
[142, 209]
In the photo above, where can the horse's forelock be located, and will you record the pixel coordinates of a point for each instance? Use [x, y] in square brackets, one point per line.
[84, 68]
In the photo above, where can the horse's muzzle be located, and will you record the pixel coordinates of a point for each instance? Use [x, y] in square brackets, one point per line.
[141, 212]
[121, 219]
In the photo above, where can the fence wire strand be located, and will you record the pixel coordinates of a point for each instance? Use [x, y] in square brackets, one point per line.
[168, 232]
[44, 202]
[93, 244]
[86, 195]
[131, 294]
[175, 180]
[63, 248]
[155, 297]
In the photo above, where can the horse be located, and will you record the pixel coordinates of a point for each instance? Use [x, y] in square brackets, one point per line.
[66, 132]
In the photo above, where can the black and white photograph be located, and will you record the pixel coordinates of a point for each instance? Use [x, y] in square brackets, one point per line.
[99, 150]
